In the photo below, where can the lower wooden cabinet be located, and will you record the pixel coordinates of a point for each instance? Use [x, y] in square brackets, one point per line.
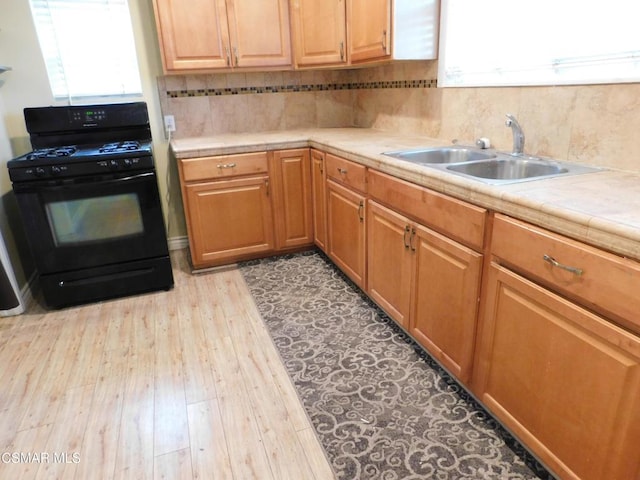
[390, 261]
[246, 205]
[291, 179]
[346, 229]
[563, 379]
[446, 294]
[319, 198]
[428, 283]
[229, 219]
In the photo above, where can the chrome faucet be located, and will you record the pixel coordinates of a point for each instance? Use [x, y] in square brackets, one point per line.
[518, 135]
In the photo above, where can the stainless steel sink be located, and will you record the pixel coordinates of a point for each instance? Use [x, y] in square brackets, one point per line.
[509, 168]
[441, 155]
[489, 166]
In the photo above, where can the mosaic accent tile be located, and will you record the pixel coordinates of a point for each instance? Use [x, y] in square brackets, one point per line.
[213, 92]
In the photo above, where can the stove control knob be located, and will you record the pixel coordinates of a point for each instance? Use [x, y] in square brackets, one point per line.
[56, 170]
[113, 164]
[39, 171]
[127, 163]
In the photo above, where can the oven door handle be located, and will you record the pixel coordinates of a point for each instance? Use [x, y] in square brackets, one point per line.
[32, 187]
[125, 179]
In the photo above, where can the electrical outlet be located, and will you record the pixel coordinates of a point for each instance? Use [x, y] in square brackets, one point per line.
[169, 123]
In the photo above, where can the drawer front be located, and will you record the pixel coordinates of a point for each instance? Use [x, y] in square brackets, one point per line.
[602, 281]
[452, 217]
[222, 166]
[347, 172]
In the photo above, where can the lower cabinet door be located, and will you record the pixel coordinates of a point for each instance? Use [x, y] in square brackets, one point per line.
[445, 299]
[346, 228]
[291, 175]
[563, 379]
[319, 194]
[229, 219]
[390, 261]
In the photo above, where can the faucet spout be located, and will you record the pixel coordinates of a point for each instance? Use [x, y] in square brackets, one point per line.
[518, 135]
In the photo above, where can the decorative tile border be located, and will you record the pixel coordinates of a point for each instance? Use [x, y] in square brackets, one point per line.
[214, 92]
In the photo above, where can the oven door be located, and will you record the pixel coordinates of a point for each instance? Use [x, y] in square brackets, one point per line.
[93, 221]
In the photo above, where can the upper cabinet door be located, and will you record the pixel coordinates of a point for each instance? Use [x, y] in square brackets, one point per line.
[319, 32]
[370, 29]
[259, 33]
[193, 35]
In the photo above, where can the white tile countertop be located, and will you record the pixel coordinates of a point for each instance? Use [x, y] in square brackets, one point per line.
[601, 208]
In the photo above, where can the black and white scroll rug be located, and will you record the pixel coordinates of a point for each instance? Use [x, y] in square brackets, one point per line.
[381, 407]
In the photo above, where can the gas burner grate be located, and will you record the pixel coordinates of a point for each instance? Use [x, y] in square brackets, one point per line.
[120, 146]
[55, 152]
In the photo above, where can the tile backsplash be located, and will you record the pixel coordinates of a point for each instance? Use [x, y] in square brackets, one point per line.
[593, 124]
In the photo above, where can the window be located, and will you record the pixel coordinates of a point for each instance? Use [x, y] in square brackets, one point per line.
[538, 42]
[88, 47]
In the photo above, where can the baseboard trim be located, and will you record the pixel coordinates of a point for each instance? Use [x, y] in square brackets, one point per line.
[178, 243]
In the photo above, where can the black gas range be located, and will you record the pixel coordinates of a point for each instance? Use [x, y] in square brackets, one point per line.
[77, 160]
[90, 203]
[74, 141]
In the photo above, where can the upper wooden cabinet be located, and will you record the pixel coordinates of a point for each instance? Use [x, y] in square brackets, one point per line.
[392, 29]
[214, 34]
[259, 33]
[378, 30]
[319, 32]
[370, 29]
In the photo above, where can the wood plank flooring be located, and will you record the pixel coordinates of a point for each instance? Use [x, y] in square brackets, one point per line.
[172, 385]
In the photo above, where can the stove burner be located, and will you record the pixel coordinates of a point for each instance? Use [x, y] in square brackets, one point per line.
[65, 151]
[120, 146]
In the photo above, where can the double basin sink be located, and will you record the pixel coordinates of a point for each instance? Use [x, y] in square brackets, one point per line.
[489, 166]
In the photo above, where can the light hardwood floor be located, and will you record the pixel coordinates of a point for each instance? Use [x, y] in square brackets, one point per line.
[177, 385]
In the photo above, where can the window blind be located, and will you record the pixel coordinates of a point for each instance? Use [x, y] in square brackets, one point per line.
[88, 47]
[538, 42]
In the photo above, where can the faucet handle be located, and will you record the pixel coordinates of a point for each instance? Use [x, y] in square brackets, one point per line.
[483, 143]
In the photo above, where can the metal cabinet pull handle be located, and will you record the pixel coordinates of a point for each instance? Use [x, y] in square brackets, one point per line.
[407, 229]
[235, 54]
[341, 51]
[343, 171]
[384, 40]
[228, 56]
[226, 165]
[413, 235]
[266, 184]
[575, 270]
[361, 211]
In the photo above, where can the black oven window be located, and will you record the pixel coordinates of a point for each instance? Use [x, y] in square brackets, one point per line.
[95, 219]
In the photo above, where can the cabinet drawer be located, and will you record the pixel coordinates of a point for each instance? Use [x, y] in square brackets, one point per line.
[347, 172]
[457, 219]
[221, 166]
[599, 280]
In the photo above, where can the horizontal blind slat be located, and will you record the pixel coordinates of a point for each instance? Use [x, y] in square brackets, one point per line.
[88, 47]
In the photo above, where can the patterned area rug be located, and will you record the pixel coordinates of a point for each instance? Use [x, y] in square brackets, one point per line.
[381, 407]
